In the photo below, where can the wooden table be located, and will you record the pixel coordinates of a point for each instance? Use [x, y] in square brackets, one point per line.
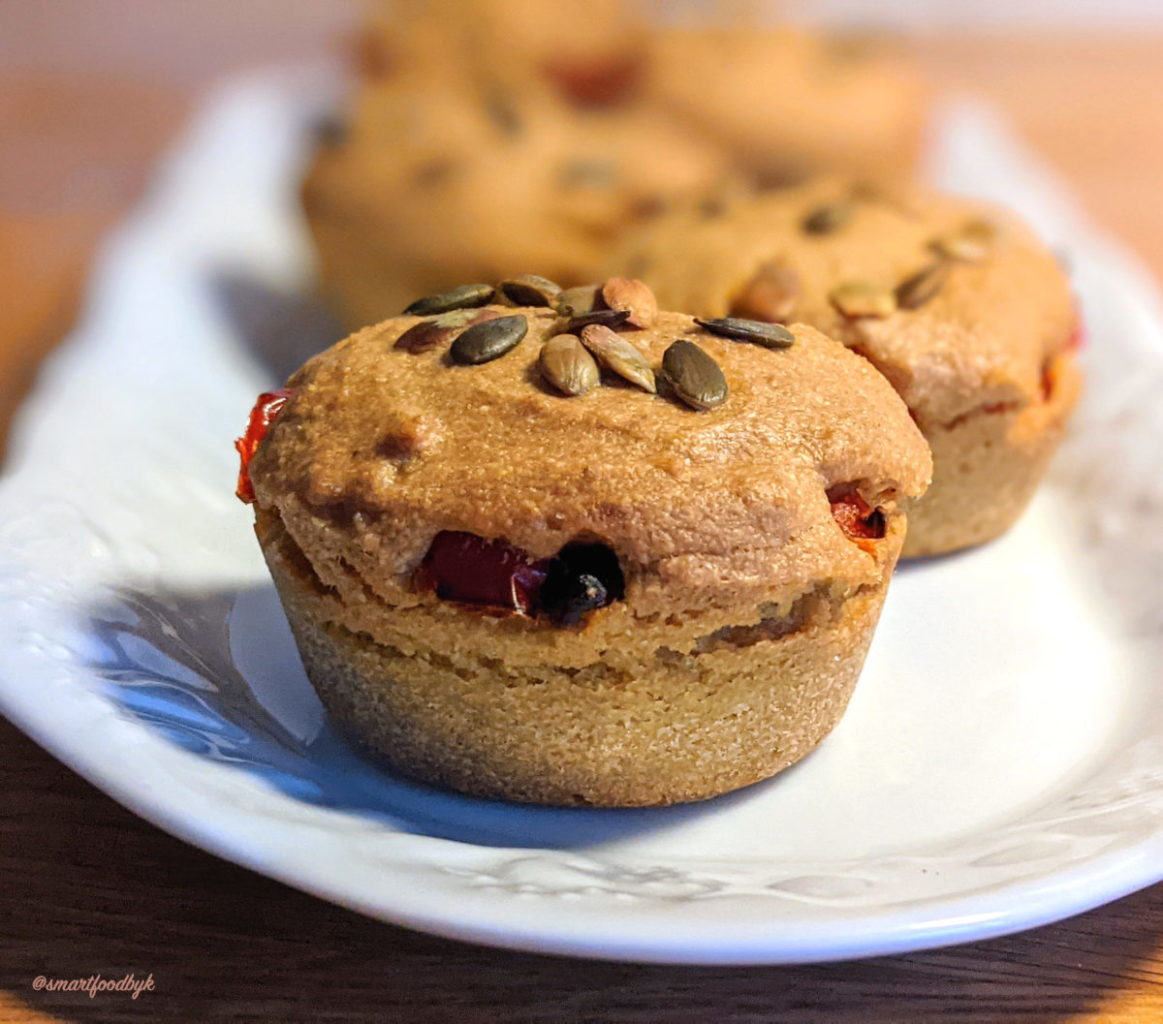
[87, 888]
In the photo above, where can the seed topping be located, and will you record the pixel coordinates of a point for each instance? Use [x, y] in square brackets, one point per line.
[913, 292]
[754, 331]
[694, 375]
[567, 365]
[971, 243]
[617, 355]
[429, 334]
[597, 317]
[573, 302]
[829, 217]
[484, 342]
[856, 299]
[467, 296]
[530, 290]
[634, 297]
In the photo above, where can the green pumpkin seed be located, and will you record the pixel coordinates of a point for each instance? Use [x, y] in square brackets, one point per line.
[421, 337]
[577, 301]
[484, 342]
[694, 375]
[566, 364]
[754, 331]
[600, 317]
[915, 291]
[829, 217]
[619, 356]
[428, 334]
[530, 290]
[971, 243]
[467, 296]
[464, 317]
[586, 172]
[504, 114]
[856, 299]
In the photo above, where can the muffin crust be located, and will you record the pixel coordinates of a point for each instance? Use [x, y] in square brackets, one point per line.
[746, 612]
[990, 343]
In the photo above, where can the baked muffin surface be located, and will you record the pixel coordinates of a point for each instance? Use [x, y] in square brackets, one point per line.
[955, 301]
[745, 551]
[726, 501]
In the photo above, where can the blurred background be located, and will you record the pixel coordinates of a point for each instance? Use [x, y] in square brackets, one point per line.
[92, 92]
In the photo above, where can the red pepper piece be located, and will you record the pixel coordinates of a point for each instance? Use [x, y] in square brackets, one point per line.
[468, 568]
[264, 413]
[858, 519]
[596, 81]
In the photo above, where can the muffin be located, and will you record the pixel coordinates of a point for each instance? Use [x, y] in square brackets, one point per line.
[790, 104]
[430, 186]
[590, 52]
[486, 139]
[965, 312]
[579, 551]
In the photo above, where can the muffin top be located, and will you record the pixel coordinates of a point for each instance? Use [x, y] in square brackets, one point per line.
[792, 103]
[442, 183]
[954, 300]
[721, 483]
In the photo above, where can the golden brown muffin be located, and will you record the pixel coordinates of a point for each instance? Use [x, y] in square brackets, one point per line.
[589, 52]
[489, 138]
[436, 185]
[790, 104]
[955, 301]
[621, 596]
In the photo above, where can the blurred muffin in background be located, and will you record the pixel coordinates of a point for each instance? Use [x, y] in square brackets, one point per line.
[434, 187]
[491, 136]
[955, 301]
[789, 104]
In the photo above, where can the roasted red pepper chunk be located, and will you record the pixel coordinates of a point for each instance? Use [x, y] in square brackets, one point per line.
[596, 81]
[858, 519]
[468, 568]
[264, 413]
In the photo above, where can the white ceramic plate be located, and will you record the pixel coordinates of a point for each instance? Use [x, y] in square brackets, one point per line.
[1001, 765]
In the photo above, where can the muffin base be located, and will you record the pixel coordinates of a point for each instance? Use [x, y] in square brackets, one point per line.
[987, 466]
[681, 728]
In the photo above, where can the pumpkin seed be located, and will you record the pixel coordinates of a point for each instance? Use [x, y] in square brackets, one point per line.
[421, 337]
[913, 292]
[530, 290]
[971, 243]
[619, 356]
[829, 217]
[577, 301]
[895, 197]
[862, 299]
[484, 342]
[504, 114]
[633, 296]
[770, 295]
[754, 331]
[586, 172]
[694, 375]
[463, 317]
[599, 317]
[567, 365]
[467, 296]
[428, 334]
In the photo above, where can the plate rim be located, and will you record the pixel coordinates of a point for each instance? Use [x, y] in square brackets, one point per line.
[1076, 889]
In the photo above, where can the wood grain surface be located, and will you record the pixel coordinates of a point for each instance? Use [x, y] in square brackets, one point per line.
[87, 888]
